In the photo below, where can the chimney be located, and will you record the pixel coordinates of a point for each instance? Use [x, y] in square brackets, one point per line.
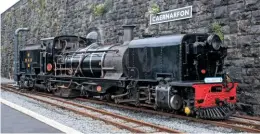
[128, 32]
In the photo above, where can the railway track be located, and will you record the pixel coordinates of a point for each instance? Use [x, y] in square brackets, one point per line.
[239, 123]
[119, 121]
[236, 122]
[247, 117]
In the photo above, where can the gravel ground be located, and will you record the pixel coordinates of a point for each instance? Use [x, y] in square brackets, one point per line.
[75, 121]
[6, 81]
[80, 123]
[179, 124]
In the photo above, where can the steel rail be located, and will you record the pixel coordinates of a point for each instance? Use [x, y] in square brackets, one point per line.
[226, 124]
[252, 126]
[231, 123]
[247, 117]
[120, 125]
[244, 123]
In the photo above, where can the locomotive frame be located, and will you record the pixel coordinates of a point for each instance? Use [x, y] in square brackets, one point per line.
[180, 73]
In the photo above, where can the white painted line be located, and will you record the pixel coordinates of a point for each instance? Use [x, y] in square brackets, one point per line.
[41, 118]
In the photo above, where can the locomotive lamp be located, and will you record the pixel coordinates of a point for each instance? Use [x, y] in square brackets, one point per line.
[187, 110]
[214, 41]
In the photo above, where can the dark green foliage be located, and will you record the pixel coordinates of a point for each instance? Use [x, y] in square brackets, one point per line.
[154, 9]
[217, 29]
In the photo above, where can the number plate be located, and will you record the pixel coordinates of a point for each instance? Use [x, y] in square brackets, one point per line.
[213, 80]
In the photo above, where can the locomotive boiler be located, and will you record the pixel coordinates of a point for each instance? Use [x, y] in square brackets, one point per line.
[178, 73]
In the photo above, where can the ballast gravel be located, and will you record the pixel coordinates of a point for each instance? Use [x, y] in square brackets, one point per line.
[88, 125]
[70, 119]
[175, 123]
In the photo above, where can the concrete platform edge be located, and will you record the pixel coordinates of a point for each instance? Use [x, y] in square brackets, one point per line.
[41, 118]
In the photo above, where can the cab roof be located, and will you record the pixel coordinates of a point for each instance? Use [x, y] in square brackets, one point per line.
[31, 47]
[64, 37]
[169, 40]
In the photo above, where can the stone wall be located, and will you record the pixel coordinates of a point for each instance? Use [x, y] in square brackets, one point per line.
[239, 19]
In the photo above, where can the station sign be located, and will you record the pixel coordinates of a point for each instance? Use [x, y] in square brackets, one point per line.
[171, 15]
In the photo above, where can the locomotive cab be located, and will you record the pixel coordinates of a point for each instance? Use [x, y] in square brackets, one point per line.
[29, 65]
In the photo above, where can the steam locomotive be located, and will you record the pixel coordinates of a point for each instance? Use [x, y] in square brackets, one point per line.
[177, 73]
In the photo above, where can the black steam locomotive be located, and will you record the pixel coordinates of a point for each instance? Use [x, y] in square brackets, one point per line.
[178, 73]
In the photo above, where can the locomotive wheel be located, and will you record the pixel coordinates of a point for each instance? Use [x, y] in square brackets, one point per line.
[116, 101]
[20, 85]
[155, 107]
[176, 102]
[21, 82]
[108, 97]
[88, 95]
[57, 91]
[101, 97]
[137, 104]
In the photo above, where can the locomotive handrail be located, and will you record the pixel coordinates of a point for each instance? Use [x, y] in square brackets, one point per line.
[91, 78]
[89, 83]
[232, 81]
[78, 52]
[61, 81]
[109, 68]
